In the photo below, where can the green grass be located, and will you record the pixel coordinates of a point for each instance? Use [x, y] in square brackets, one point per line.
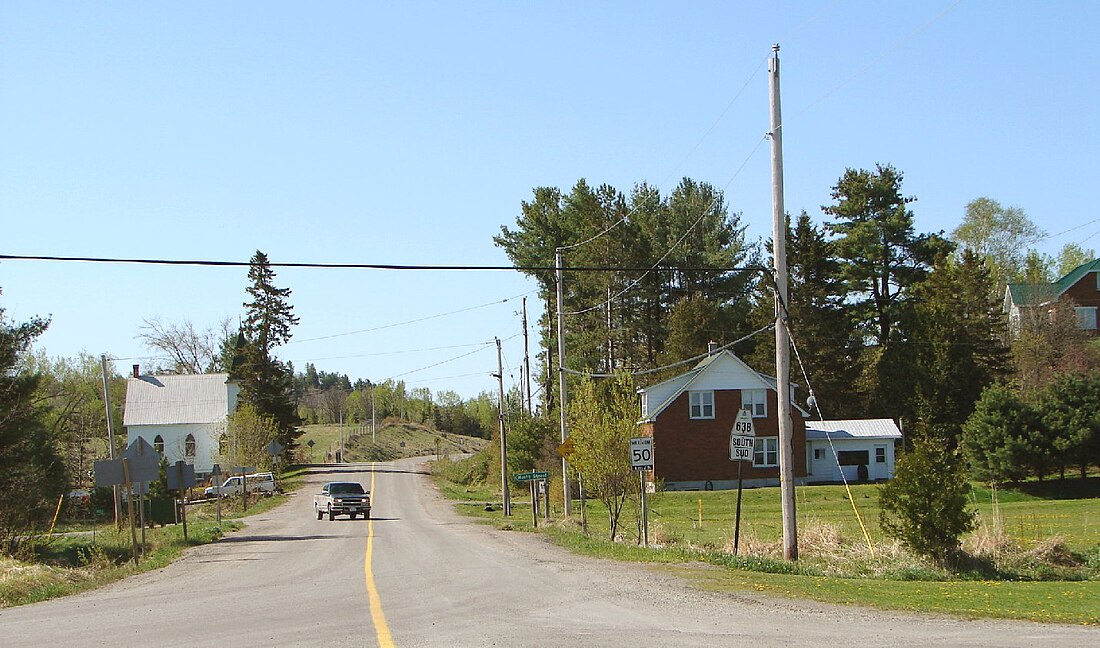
[69, 564]
[698, 547]
[1047, 602]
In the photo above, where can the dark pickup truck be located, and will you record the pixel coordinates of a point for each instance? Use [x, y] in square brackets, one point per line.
[342, 498]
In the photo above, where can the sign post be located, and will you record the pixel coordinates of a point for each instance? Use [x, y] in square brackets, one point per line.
[216, 477]
[742, 441]
[534, 476]
[181, 475]
[641, 459]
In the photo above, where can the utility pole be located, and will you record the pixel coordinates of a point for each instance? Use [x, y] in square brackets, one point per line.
[110, 437]
[548, 392]
[527, 359]
[504, 494]
[782, 339]
[562, 401]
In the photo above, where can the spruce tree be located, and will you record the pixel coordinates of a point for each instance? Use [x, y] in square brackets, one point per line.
[32, 473]
[267, 383]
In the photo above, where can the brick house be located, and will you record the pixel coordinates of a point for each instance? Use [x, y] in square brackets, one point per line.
[690, 417]
[1079, 287]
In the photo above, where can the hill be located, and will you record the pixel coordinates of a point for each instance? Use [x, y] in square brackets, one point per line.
[394, 439]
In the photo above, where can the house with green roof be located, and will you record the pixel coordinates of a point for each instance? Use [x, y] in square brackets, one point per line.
[1080, 287]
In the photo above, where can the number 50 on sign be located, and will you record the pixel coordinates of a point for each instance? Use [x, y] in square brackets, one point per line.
[641, 453]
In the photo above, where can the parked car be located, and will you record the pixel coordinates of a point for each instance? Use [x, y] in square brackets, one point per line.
[263, 483]
[342, 498]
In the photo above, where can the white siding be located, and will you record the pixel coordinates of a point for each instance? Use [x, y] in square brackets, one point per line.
[206, 435]
[827, 470]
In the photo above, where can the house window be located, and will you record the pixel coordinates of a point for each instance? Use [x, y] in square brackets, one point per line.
[1086, 317]
[819, 454]
[702, 404]
[853, 457]
[880, 454]
[158, 444]
[756, 401]
[765, 452]
[189, 446]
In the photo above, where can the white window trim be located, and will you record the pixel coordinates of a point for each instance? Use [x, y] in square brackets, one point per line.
[764, 441]
[696, 400]
[752, 405]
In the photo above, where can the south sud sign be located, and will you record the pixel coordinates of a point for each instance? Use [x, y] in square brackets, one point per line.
[742, 441]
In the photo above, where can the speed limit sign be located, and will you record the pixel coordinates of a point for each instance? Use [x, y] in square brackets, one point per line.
[641, 453]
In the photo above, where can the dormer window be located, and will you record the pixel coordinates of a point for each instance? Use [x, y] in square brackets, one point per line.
[756, 401]
[701, 404]
[158, 444]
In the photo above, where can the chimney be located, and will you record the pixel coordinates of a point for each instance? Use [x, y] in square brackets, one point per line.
[137, 371]
[712, 348]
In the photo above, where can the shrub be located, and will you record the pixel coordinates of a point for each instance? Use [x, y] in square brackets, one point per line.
[925, 505]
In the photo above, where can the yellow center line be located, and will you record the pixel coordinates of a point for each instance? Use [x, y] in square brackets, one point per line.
[385, 640]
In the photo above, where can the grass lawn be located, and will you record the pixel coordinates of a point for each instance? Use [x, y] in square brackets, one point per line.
[695, 531]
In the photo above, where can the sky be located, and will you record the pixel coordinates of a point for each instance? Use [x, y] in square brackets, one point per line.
[409, 133]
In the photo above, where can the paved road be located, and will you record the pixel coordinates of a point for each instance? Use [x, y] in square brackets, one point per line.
[418, 575]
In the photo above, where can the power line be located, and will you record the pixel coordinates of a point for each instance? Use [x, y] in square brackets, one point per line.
[705, 211]
[412, 321]
[350, 266]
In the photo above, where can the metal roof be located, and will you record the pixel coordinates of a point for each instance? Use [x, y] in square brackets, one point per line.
[168, 400]
[1023, 294]
[853, 429]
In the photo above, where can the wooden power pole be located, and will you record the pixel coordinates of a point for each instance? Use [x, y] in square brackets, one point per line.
[562, 401]
[782, 337]
[504, 492]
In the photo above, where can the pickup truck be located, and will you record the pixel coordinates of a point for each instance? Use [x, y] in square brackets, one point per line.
[262, 483]
[342, 498]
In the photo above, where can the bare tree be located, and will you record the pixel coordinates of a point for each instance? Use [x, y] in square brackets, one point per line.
[187, 350]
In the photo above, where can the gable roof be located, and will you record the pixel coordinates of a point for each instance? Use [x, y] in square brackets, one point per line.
[168, 400]
[852, 429]
[669, 390]
[1025, 294]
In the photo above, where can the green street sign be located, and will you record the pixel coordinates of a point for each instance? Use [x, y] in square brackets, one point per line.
[531, 476]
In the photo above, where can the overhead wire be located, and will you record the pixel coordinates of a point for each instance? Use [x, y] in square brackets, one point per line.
[412, 321]
[673, 247]
[686, 157]
[674, 365]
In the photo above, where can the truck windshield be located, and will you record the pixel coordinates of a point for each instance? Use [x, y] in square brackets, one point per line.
[346, 489]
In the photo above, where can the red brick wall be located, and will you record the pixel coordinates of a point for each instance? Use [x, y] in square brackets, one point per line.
[686, 449]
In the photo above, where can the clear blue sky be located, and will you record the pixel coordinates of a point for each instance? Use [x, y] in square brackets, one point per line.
[408, 133]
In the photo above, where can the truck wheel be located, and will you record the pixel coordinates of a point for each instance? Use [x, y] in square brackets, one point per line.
[320, 514]
[331, 515]
[366, 516]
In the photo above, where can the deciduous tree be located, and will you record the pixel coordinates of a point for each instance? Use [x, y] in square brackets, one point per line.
[602, 417]
[998, 234]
